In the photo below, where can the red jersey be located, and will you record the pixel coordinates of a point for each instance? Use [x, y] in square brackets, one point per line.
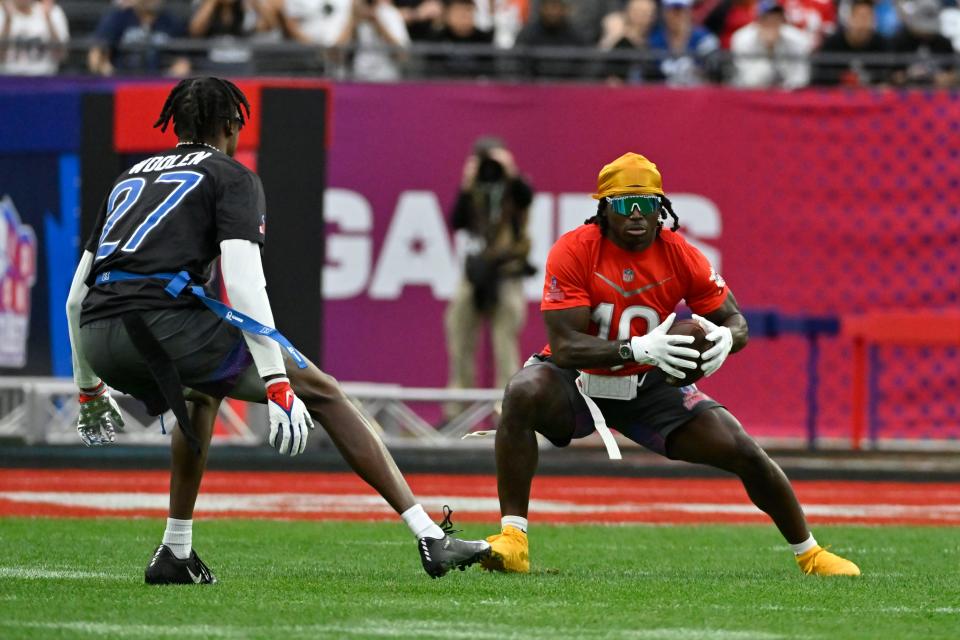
[629, 292]
[816, 17]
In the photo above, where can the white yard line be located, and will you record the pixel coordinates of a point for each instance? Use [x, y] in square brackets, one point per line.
[40, 573]
[134, 630]
[440, 630]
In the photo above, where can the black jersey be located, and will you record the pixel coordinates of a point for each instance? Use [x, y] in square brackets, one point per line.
[167, 214]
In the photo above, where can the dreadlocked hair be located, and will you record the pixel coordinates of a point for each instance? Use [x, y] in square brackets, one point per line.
[198, 107]
[600, 219]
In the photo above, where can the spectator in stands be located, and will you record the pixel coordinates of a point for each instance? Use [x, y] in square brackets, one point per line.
[950, 25]
[858, 35]
[505, 18]
[728, 17]
[920, 35]
[687, 51]
[459, 27]
[491, 210]
[376, 30]
[227, 23]
[639, 18]
[323, 24]
[317, 22]
[238, 18]
[592, 19]
[887, 15]
[816, 17]
[32, 37]
[422, 17]
[770, 53]
[502, 18]
[553, 28]
[133, 39]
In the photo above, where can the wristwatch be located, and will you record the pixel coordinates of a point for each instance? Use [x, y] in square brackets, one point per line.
[626, 351]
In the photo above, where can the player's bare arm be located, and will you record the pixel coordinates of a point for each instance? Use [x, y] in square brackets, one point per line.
[573, 348]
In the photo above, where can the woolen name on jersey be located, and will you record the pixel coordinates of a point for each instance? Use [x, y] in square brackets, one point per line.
[160, 163]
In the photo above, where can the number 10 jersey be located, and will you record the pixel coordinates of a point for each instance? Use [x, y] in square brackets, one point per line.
[628, 292]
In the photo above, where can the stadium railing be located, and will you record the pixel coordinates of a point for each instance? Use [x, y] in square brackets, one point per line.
[871, 331]
[426, 60]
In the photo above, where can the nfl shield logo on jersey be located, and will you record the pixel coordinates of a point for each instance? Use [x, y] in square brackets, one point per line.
[554, 293]
[628, 275]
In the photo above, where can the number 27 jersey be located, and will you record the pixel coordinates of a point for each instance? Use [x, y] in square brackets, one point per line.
[628, 292]
[168, 214]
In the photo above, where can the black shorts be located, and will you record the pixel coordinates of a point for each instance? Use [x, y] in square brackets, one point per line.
[210, 355]
[657, 411]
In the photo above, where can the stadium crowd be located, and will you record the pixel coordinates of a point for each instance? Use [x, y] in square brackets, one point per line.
[747, 43]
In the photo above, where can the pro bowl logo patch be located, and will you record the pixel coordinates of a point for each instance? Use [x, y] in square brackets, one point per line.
[692, 396]
[553, 293]
[628, 275]
[18, 273]
[263, 224]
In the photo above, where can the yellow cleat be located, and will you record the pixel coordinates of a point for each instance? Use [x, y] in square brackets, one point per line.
[509, 552]
[820, 562]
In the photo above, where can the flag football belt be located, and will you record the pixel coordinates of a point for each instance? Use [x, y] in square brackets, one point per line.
[609, 387]
[593, 386]
[177, 283]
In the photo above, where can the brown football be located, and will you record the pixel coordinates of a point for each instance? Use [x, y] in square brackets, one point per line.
[700, 343]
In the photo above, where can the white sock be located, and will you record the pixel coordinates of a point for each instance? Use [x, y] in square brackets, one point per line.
[420, 523]
[179, 537]
[514, 521]
[802, 547]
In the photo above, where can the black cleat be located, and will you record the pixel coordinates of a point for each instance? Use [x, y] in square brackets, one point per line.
[440, 555]
[166, 568]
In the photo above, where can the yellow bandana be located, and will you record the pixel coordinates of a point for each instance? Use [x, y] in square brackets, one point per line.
[631, 173]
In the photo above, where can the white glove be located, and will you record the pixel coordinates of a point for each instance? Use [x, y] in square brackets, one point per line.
[289, 419]
[99, 418]
[662, 350]
[715, 355]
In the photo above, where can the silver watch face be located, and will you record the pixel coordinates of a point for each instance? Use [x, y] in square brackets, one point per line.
[626, 353]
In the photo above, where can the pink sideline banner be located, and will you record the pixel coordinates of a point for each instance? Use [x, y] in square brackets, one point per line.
[808, 203]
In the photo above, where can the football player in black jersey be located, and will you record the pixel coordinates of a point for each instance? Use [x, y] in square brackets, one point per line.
[140, 323]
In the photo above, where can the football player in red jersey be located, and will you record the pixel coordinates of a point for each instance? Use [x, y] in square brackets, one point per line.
[610, 290]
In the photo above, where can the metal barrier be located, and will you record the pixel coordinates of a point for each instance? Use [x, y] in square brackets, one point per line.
[44, 411]
[771, 324]
[872, 330]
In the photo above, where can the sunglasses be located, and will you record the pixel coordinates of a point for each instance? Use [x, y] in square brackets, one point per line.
[626, 205]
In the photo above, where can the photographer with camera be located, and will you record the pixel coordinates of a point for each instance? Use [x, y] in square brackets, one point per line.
[491, 210]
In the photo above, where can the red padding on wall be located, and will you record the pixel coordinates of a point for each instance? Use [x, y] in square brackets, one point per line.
[137, 106]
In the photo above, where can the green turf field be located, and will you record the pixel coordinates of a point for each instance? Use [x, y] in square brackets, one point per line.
[84, 579]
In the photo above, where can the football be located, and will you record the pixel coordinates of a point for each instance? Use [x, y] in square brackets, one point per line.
[700, 343]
